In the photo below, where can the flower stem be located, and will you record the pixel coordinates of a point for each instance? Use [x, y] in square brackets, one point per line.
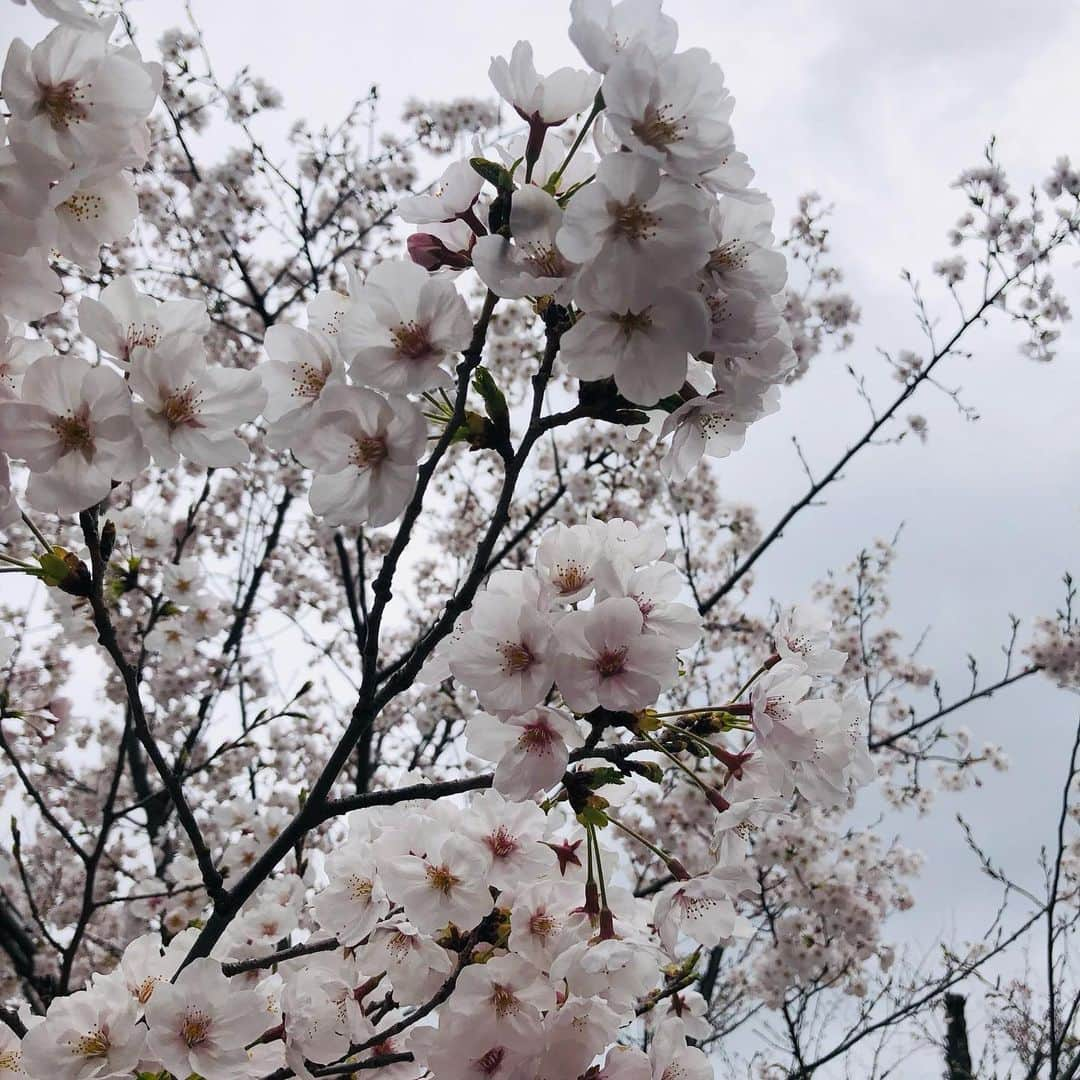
[36, 531]
[557, 175]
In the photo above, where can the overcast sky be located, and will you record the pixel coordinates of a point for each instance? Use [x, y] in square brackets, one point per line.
[878, 106]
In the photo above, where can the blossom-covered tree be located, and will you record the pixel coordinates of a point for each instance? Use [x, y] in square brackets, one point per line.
[381, 687]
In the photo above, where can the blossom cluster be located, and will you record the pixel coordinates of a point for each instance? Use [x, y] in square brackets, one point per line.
[567, 839]
[656, 247]
[510, 905]
[654, 240]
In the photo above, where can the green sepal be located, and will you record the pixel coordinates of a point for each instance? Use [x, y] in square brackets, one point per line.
[494, 400]
[494, 173]
[593, 815]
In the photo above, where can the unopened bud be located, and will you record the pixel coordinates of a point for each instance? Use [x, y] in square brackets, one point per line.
[717, 800]
[678, 871]
[431, 253]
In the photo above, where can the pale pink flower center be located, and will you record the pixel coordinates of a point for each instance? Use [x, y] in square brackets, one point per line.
[634, 221]
[84, 206]
[75, 433]
[63, 103]
[359, 888]
[442, 879]
[541, 924]
[181, 408]
[612, 661]
[411, 341]
[516, 657]
[570, 576]
[536, 738]
[195, 1028]
[94, 1043]
[145, 334]
[545, 260]
[659, 127]
[504, 1001]
[308, 381]
[733, 255]
[501, 842]
[634, 322]
[399, 945]
[368, 450]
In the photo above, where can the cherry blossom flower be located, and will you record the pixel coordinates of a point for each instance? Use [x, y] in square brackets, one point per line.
[532, 749]
[634, 331]
[566, 560]
[88, 1035]
[531, 265]
[363, 450]
[321, 1014]
[453, 195]
[632, 212]
[740, 322]
[744, 254]
[504, 999]
[403, 325]
[74, 97]
[190, 408]
[508, 833]
[540, 921]
[541, 101]
[201, 1022]
[91, 211]
[714, 425]
[804, 634]
[146, 964]
[626, 1063]
[10, 1055]
[654, 589]
[736, 826]
[601, 29]
[619, 971]
[355, 899]
[415, 965]
[453, 1051]
[122, 319]
[74, 429]
[302, 363]
[27, 179]
[674, 110]
[839, 760]
[68, 12]
[703, 908]
[575, 1032]
[506, 655]
[671, 1058]
[606, 661]
[625, 541]
[442, 882]
[779, 714]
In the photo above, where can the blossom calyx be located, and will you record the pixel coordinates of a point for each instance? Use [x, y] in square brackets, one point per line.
[65, 571]
[494, 403]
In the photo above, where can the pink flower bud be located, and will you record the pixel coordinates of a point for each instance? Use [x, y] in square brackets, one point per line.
[432, 254]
